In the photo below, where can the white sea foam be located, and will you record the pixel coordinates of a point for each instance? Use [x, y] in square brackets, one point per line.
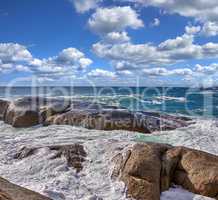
[54, 179]
[170, 98]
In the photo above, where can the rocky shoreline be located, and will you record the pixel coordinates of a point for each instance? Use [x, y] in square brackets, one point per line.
[30, 111]
[147, 169]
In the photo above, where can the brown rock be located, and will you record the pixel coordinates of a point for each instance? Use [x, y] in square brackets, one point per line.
[9, 191]
[30, 111]
[140, 171]
[196, 171]
[3, 108]
[149, 169]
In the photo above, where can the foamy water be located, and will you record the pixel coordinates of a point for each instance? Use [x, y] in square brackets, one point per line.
[54, 179]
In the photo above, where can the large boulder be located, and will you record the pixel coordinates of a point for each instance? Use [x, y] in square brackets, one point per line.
[140, 170]
[30, 111]
[10, 191]
[104, 118]
[149, 169]
[3, 108]
[194, 170]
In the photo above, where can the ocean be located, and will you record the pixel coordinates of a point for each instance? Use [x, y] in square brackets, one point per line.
[54, 179]
[186, 101]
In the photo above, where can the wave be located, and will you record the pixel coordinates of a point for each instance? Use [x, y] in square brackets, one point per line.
[170, 98]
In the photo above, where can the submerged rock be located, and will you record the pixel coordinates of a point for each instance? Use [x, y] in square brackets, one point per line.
[74, 154]
[10, 191]
[149, 169]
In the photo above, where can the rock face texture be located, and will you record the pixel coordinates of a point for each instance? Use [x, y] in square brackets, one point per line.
[9, 191]
[3, 108]
[30, 111]
[195, 171]
[149, 169]
[74, 154]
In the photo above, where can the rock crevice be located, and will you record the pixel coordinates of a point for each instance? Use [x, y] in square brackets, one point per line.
[152, 168]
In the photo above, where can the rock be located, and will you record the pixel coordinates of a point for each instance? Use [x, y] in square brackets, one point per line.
[74, 154]
[149, 169]
[9, 191]
[140, 171]
[3, 108]
[30, 111]
[195, 171]
[117, 119]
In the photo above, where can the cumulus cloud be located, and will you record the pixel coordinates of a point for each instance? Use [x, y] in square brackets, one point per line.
[100, 73]
[12, 52]
[166, 72]
[115, 19]
[129, 56]
[82, 6]
[203, 10]
[192, 30]
[16, 57]
[210, 28]
[208, 70]
[117, 37]
[155, 22]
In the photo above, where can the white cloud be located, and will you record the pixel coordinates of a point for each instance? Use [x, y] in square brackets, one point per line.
[203, 10]
[15, 57]
[210, 29]
[136, 57]
[117, 37]
[82, 6]
[116, 19]
[11, 52]
[100, 73]
[155, 22]
[166, 72]
[211, 69]
[192, 30]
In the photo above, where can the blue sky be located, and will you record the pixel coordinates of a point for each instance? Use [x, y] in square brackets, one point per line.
[119, 42]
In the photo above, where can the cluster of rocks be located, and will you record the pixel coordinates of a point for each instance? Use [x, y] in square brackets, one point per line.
[149, 169]
[30, 111]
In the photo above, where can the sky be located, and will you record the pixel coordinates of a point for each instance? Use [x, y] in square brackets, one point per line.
[109, 42]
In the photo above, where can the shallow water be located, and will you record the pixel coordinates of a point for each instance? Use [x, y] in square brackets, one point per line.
[54, 179]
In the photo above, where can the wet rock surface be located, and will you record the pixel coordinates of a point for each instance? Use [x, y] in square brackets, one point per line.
[149, 169]
[30, 111]
[74, 154]
[10, 191]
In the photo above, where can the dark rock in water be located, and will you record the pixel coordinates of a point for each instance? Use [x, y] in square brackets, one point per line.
[9, 191]
[3, 108]
[74, 154]
[30, 111]
[149, 169]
